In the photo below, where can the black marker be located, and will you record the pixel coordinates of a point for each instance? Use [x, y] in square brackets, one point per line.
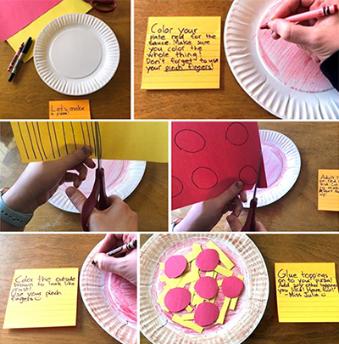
[20, 59]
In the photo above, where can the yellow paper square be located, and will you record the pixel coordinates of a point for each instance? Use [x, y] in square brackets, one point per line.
[182, 53]
[42, 298]
[33, 30]
[307, 292]
[328, 190]
[69, 109]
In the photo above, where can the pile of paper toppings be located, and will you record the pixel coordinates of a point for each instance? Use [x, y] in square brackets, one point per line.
[192, 284]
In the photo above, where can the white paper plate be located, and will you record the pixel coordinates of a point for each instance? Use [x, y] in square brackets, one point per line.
[121, 177]
[250, 71]
[278, 150]
[159, 329]
[93, 294]
[76, 54]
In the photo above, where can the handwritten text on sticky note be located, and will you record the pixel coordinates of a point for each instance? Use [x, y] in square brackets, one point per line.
[328, 190]
[69, 109]
[307, 292]
[42, 298]
[182, 53]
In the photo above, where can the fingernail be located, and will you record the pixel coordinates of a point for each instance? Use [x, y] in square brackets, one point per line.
[239, 184]
[86, 150]
[70, 192]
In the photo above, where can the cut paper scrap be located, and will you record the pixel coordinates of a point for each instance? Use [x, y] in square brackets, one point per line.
[69, 109]
[307, 292]
[207, 157]
[33, 30]
[16, 14]
[328, 190]
[42, 298]
[44, 141]
[182, 53]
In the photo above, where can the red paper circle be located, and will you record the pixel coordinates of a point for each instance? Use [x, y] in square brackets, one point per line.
[206, 314]
[206, 287]
[175, 266]
[232, 287]
[177, 299]
[207, 260]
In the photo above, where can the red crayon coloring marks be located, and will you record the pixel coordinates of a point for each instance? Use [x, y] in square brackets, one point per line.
[206, 314]
[207, 260]
[292, 65]
[175, 266]
[232, 287]
[177, 299]
[206, 287]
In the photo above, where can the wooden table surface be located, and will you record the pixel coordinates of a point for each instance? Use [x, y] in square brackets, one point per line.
[47, 251]
[230, 101]
[292, 248]
[149, 200]
[28, 96]
[318, 144]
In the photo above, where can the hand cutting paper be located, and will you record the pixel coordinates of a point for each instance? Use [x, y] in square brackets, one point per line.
[208, 157]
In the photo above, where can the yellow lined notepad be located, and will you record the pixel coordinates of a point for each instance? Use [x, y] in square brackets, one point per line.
[33, 30]
[43, 141]
[42, 298]
[307, 292]
[328, 190]
[182, 53]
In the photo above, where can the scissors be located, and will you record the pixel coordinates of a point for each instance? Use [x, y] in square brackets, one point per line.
[98, 198]
[103, 5]
[250, 223]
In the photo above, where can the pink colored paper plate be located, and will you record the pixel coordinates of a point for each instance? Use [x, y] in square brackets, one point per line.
[157, 325]
[279, 76]
[111, 301]
[282, 166]
[122, 178]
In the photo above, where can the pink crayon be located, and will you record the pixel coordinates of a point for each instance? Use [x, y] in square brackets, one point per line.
[314, 14]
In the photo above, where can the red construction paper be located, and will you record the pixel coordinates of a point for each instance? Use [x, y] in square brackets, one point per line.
[206, 287]
[175, 266]
[177, 299]
[207, 260]
[207, 157]
[206, 314]
[232, 287]
[17, 14]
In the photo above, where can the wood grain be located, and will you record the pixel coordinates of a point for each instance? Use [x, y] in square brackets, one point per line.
[318, 144]
[28, 96]
[230, 101]
[291, 248]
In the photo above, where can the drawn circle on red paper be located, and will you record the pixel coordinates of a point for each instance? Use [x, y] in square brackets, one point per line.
[207, 260]
[237, 134]
[177, 187]
[232, 287]
[248, 175]
[206, 314]
[177, 299]
[190, 141]
[175, 266]
[204, 178]
[206, 287]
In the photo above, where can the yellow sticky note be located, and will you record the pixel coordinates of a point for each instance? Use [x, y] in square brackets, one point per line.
[328, 190]
[307, 292]
[44, 141]
[182, 53]
[42, 298]
[69, 109]
[33, 30]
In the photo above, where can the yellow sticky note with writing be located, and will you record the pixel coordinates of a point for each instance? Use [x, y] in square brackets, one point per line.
[42, 298]
[45, 141]
[307, 292]
[328, 190]
[33, 30]
[69, 109]
[182, 53]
